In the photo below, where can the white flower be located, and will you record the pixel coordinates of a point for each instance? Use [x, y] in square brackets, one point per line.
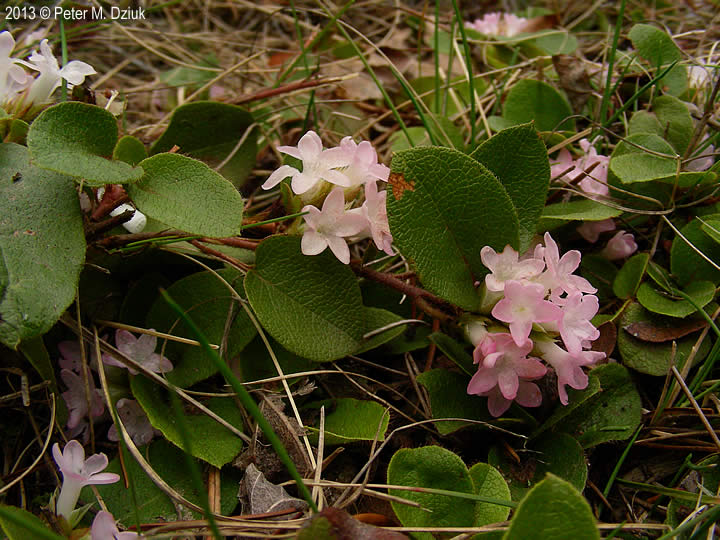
[329, 227]
[318, 164]
[51, 74]
[13, 78]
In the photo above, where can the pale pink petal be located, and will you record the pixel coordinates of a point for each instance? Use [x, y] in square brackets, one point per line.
[310, 146]
[482, 381]
[339, 248]
[312, 243]
[279, 175]
[75, 72]
[528, 394]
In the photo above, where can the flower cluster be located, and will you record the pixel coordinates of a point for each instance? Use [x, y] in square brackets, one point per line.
[500, 24]
[348, 167]
[78, 472]
[544, 305]
[142, 350]
[591, 169]
[19, 88]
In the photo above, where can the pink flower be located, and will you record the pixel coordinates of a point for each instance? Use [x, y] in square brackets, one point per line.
[559, 274]
[528, 395]
[329, 227]
[504, 367]
[591, 230]
[523, 305]
[363, 164]
[71, 357]
[592, 167]
[104, 528]
[575, 325]
[135, 421]
[78, 472]
[375, 212]
[500, 24]
[595, 182]
[620, 246]
[568, 366]
[76, 400]
[142, 350]
[505, 267]
[318, 164]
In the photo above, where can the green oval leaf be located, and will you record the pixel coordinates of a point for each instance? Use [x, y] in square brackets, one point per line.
[151, 503]
[437, 468]
[42, 246]
[654, 45]
[209, 440]
[187, 194]
[612, 414]
[487, 481]
[211, 132]
[536, 101]
[685, 263]
[353, 420]
[630, 275]
[553, 510]
[449, 399]
[701, 292]
[211, 307]
[310, 304]
[518, 158]
[19, 524]
[78, 140]
[583, 210]
[130, 150]
[443, 208]
[556, 453]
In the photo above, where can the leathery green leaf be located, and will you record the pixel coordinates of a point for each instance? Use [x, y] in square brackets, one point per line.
[701, 292]
[518, 158]
[443, 208]
[353, 420]
[187, 194]
[553, 510]
[437, 468]
[42, 246]
[211, 441]
[489, 482]
[78, 140]
[310, 304]
[686, 263]
[215, 133]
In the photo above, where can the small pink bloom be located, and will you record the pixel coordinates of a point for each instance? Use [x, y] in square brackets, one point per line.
[76, 400]
[563, 166]
[375, 212]
[318, 164]
[78, 472]
[363, 164]
[505, 267]
[142, 350]
[329, 227]
[104, 528]
[568, 366]
[528, 395]
[504, 367]
[523, 305]
[500, 24]
[488, 25]
[71, 357]
[135, 421]
[595, 182]
[620, 246]
[575, 326]
[591, 230]
[558, 276]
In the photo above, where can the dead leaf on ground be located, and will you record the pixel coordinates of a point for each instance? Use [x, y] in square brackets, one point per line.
[345, 527]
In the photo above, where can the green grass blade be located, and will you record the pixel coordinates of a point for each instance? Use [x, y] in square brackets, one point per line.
[610, 65]
[246, 400]
[468, 63]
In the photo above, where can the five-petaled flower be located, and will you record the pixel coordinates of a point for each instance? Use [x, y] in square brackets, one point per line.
[142, 350]
[105, 528]
[78, 472]
[330, 227]
[51, 74]
[318, 164]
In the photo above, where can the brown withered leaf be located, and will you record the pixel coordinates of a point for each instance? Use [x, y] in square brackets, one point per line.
[344, 527]
[646, 331]
[574, 79]
[264, 496]
[608, 337]
[399, 184]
